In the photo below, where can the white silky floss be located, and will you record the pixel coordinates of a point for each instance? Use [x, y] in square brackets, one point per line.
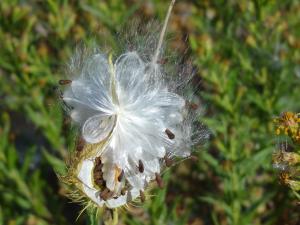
[126, 105]
[133, 120]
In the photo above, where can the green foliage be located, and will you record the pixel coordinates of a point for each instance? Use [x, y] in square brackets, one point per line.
[247, 61]
[247, 53]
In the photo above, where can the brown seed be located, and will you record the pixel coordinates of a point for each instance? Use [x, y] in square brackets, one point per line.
[80, 144]
[98, 174]
[142, 195]
[120, 177]
[159, 180]
[170, 134]
[194, 106]
[100, 182]
[191, 105]
[64, 82]
[162, 61]
[98, 169]
[123, 191]
[106, 194]
[111, 194]
[98, 160]
[98, 164]
[168, 161]
[141, 166]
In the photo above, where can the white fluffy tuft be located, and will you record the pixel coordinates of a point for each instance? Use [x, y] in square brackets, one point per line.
[133, 107]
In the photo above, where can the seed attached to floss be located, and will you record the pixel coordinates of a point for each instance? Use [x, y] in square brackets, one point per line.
[194, 106]
[142, 195]
[170, 134]
[98, 179]
[98, 174]
[159, 180]
[120, 177]
[100, 183]
[64, 82]
[168, 161]
[80, 144]
[98, 165]
[106, 194]
[141, 166]
[191, 105]
[162, 61]
[123, 191]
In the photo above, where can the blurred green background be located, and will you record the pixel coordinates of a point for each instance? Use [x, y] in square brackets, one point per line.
[248, 57]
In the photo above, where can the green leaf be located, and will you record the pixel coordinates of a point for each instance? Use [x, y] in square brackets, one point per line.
[58, 165]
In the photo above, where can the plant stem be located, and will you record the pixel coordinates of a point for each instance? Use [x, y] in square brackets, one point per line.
[163, 32]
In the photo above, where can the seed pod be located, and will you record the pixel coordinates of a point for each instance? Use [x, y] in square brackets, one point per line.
[159, 180]
[170, 134]
[141, 166]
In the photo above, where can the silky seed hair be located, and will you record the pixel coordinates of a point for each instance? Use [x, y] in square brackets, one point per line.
[133, 116]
